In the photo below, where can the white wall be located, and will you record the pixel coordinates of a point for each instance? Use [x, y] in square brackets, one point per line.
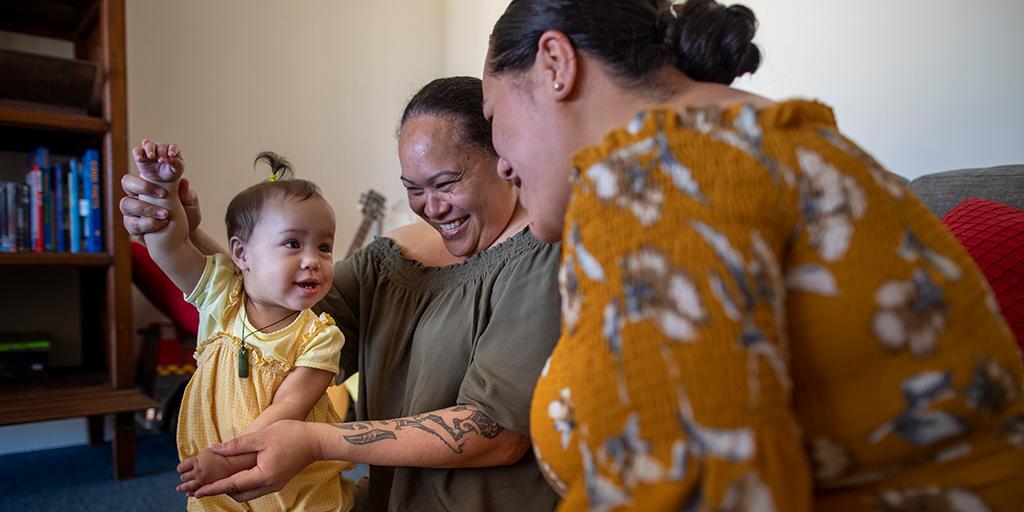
[924, 85]
[469, 24]
[322, 82]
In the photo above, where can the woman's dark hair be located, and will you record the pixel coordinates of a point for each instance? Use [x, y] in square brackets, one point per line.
[246, 208]
[633, 38]
[459, 99]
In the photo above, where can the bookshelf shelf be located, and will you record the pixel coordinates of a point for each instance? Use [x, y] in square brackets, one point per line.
[67, 396]
[55, 259]
[29, 116]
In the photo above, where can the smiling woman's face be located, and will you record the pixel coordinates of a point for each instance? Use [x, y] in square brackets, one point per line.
[453, 185]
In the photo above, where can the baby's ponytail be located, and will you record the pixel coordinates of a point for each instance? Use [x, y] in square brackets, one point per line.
[280, 168]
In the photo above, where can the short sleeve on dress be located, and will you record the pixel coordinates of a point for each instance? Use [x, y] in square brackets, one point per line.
[215, 283]
[321, 349]
[522, 331]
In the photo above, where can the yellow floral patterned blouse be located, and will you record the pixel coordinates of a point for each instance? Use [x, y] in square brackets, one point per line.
[756, 316]
[218, 404]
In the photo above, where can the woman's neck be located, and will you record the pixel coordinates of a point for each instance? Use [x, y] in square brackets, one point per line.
[516, 223]
[607, 105]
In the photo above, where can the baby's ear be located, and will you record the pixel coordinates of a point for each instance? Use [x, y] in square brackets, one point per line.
[238, 253]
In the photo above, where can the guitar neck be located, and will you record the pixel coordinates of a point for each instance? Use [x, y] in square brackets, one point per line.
[357, 241]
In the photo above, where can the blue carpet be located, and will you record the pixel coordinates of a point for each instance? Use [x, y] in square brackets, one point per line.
[81, 478]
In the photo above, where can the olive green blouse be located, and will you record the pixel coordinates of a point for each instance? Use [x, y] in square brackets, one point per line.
[428, 338]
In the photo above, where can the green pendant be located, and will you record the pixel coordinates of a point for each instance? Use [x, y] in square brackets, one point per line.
[243, 362]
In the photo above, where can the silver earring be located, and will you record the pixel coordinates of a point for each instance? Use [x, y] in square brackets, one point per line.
[558, 86]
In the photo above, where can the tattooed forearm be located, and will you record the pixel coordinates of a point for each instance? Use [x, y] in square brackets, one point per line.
[435, 425]
[370, 437]
[453, 435]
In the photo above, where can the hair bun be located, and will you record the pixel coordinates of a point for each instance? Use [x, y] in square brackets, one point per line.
[712, 42]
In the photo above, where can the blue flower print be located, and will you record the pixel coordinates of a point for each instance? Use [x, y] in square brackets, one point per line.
[916, 424]
[602, 494]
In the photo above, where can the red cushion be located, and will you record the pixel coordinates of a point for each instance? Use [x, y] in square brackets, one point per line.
[160, 290]
[993, 234]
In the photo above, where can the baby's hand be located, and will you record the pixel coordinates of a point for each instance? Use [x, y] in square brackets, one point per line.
[158, 162]
[205, 468]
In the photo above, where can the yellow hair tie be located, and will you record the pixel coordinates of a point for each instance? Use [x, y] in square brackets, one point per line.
[273, 177]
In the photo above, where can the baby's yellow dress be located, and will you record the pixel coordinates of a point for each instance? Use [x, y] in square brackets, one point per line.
[218, 404]
[756, 316]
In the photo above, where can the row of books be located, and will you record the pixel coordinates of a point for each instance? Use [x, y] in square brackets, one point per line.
[56, 208]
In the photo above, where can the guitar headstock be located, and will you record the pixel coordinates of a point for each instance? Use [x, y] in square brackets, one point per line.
[372, 204]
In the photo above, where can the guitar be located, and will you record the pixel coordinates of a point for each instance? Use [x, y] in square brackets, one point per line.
[342, 395]
[372, 203]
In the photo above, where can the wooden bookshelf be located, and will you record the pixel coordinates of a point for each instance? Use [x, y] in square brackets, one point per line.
[55, 259]
[69, 395]
[26, 115]
[104, 385]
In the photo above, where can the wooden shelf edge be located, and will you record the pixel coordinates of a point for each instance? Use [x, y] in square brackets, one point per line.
[31, 116]
[46, 404]
[61, 19]
[55, 259]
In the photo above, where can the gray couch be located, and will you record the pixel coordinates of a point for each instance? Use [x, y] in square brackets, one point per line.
[942, 191]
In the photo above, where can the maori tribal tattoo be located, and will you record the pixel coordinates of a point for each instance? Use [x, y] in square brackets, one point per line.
[452, 435]
[370, 437]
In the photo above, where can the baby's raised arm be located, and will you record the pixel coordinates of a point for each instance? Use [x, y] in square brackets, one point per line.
[169, 247]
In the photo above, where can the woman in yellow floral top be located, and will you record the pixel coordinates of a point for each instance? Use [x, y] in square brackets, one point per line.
[756, 316]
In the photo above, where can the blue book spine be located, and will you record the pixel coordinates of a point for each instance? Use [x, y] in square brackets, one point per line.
[59, 209]
[75, 206]
[95, 227]
[3, 217]
[46, 178]
[40, 158]
[12, 216]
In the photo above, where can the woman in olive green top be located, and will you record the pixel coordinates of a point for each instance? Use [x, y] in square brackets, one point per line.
[448, 332]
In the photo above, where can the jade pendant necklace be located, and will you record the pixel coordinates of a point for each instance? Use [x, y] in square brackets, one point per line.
[243, 351]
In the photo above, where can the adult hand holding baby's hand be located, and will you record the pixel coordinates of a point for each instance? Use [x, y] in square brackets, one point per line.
[282, 450]
[205, 468]
[158, 162]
